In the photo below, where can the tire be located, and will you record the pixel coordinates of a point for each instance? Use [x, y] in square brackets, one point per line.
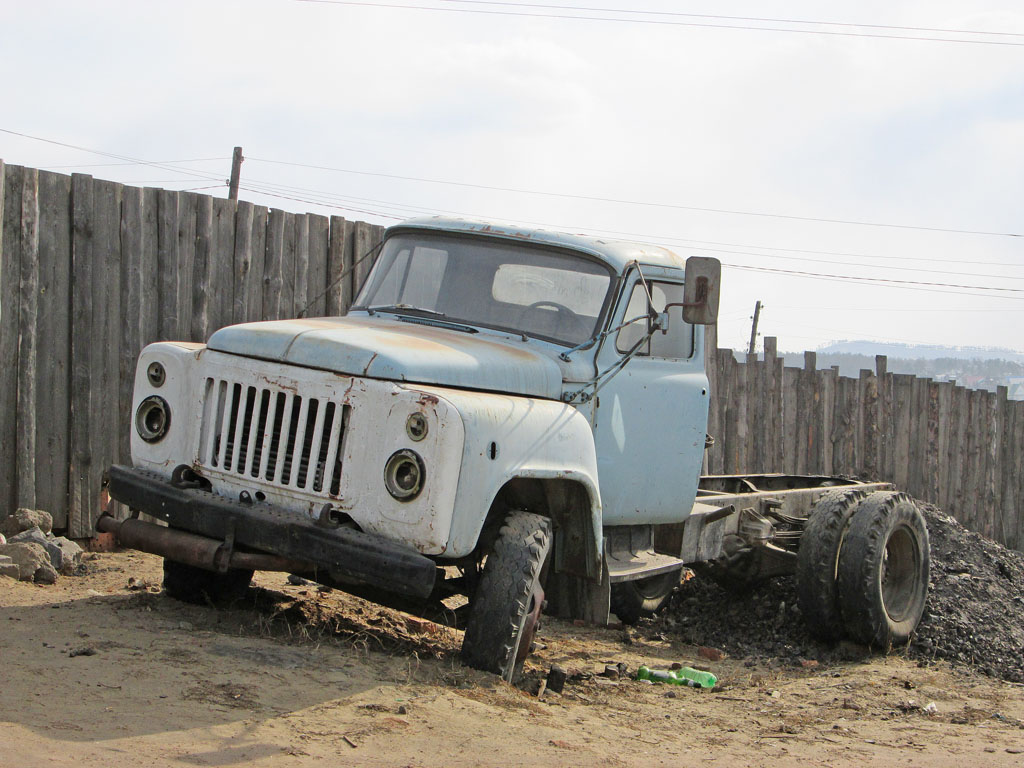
[198, 586]
[641, 599]
[818, 562]
[883, 570]
[505, 610]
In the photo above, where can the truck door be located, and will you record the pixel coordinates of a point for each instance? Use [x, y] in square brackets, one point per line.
[650, 419]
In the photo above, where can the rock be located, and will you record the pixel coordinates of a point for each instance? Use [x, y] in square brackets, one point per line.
[71, 554]
[36, 535]
[8, 567]
[611, 671]
[711, 654]
[45, 574]
[23, 519]
[28, 556]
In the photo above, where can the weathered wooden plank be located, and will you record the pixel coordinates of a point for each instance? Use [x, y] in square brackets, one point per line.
[203, 295]
[10, 282]
[868, 424]
[885, 454]
[1005, 530]
[930, 487]
[738, 433]
[339, 297]
[316, 282]
[168, 275]
[902, 419]
[105, 418]
[960, 458]
[827, 380]
[288, 252]
[790, 419]
[188, 203]
[82, 346]
[301, 267]
[945, 405]
[222, 270]
[133, 291]
[364, 238]
[273, 265]
[918, 437]
[242, 271]
[1017, 450]
[28, 315]
[53, 372]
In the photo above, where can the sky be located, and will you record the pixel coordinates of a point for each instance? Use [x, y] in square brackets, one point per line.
[822, 152]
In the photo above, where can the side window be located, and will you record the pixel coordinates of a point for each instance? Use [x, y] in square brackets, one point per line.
[677, 343]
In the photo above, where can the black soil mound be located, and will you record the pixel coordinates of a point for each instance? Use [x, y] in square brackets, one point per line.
[974, 616]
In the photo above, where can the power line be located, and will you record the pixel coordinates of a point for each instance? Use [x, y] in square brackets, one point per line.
[645, 203]
[134, 160]
[660, 22]
[882, 281]
[738, 18]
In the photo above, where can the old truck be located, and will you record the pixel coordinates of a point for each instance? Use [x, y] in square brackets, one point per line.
[506, 422]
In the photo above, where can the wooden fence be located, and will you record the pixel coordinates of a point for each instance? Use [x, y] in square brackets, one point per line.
[955, 447]
[91, 271]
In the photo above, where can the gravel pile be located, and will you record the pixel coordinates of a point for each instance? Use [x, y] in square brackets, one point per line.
[974, 616]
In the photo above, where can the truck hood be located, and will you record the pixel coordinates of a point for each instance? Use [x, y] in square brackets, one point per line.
[389, 348]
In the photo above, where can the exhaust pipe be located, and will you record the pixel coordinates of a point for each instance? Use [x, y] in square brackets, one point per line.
[191, 549]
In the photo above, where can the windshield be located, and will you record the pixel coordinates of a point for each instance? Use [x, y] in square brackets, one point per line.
[549, 294]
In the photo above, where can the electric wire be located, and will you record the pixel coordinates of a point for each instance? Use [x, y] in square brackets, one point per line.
[645, 203]
[739, 18]
[660, 22]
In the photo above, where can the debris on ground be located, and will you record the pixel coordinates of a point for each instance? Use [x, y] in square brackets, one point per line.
[974, 616]
[29, 551]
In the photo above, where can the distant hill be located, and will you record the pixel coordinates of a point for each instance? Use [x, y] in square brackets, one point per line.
[974, 367]
[919, 351]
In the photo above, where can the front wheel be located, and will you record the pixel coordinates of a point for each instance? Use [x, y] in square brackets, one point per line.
[201, 587]
[505, 610]
[642, 598]
[883, 570]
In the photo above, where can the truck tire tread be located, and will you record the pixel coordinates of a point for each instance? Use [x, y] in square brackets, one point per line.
[502, 599]
[818, 562]
[863, 564]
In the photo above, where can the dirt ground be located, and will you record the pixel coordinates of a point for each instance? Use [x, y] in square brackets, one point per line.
[102, 670]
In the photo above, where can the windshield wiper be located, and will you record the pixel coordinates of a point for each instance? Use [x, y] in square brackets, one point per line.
[399, 309]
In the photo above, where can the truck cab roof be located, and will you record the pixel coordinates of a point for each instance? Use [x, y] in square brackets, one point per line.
[616, 253]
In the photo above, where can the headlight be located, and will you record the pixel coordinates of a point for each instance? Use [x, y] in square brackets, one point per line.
[416, 427]
[152, 419]
[404, 475]
[156, 374]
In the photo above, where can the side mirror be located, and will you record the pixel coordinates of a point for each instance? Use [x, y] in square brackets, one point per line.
[701, 290]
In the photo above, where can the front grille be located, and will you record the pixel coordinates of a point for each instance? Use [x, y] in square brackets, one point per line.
[272, 435]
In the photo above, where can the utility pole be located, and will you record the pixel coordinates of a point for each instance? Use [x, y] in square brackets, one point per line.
[236, 172]
[753, 328]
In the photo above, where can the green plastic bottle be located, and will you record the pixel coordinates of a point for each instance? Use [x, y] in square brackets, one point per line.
[694, 678]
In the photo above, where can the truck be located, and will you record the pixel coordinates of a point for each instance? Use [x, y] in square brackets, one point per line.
[507, 422]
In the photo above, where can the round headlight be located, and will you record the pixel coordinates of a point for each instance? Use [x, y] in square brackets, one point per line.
[156, 374]
[404, 475]
[416, 427]
[152, 419]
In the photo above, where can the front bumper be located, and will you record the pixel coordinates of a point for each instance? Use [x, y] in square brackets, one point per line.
[345, 553]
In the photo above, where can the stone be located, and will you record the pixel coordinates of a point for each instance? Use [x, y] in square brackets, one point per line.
[45, 574]
[25, 518]
[556, 678]
[71, 554]
[8, 567]
[35, 534]
[28, 556]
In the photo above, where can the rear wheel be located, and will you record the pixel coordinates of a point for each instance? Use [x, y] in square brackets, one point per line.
[641, 599]
[505, 610]
[201, 587]
[818, 561]
[883, 570]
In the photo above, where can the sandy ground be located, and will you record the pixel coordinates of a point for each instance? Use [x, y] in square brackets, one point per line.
[102, 670]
